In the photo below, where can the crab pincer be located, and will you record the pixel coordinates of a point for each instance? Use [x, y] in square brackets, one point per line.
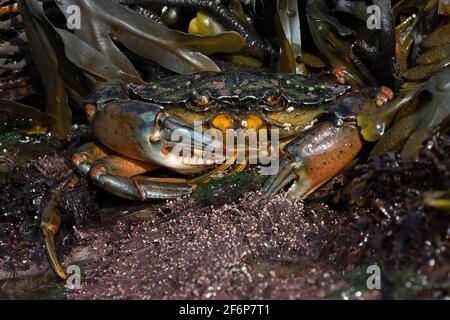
[313, 158]
[317, 155]
[149, 137]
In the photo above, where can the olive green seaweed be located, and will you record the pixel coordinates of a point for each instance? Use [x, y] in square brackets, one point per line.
[92, 61]
[435, 58]
[60, 77]
[103, 22]
[437, 199]
[26, 112]
[409, 133]
[374, 124]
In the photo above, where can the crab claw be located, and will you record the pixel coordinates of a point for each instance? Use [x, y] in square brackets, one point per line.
[313, 158]
[145, 132]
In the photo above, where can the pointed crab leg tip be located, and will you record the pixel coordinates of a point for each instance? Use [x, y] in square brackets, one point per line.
[95, 172]
[49, 240]
[278, 181]
[274, 189]
[77, 158]
[90, 110]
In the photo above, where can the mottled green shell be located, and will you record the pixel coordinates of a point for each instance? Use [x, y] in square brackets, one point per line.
[235, 88]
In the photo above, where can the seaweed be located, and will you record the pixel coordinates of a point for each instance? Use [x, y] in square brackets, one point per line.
[174, 50]
[409, 132]
[61, 78]
[228, 189]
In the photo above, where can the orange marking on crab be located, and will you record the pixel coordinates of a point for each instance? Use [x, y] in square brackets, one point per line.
[96, 171]
[385, 95]
[222, 122]
[9, 9]
[90, 111]
[339, 74]
[77, 158]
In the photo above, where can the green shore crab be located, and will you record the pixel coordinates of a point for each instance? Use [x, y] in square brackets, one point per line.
[135, 125]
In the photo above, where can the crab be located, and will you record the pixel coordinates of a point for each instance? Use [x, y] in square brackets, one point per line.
[135, 126]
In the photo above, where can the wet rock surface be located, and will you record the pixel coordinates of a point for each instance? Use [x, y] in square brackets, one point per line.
[244, 246]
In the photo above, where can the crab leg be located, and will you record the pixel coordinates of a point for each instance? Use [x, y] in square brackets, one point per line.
[241, 167]
[142, 188]
[223, 167]
[87, 154]
[9, 9]
[11, 24]
[14, 46]
[120, 175]
[51, 222]
[314, 157]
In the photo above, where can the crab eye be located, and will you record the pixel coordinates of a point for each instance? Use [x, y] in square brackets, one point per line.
[160, 119]
[272, 99]
[155, 136]
[198, 102]
[275, 101]
[202, 101]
